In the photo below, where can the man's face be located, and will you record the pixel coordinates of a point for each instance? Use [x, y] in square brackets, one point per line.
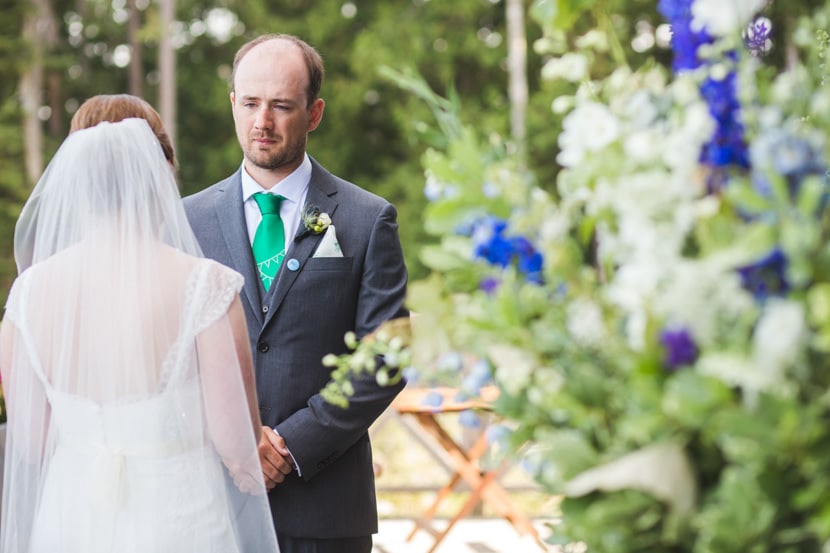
[270, 110]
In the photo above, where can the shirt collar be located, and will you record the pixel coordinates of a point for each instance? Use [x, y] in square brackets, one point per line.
[293, 187]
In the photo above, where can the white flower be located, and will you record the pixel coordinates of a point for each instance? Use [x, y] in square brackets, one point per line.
[513, 367]
[777, 345]
[702, 295]
[778, 339]
[642, 146]
[571, 67]
[589, 128]
[639, 108]
[722, 18]
[585, 322]
[685, 90]
[561, 104]
[680, 148]
[662, 470]
[598, 40]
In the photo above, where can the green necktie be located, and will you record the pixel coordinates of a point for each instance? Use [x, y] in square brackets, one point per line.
[269, 240]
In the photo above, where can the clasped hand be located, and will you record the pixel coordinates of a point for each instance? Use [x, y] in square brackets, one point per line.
[275, 458]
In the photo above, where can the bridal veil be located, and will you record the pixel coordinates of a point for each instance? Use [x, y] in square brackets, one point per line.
[131, 412]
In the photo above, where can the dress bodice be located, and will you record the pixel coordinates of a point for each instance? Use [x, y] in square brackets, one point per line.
[160, 424]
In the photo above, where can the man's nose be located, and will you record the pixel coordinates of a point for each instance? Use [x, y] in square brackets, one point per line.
[263, 118]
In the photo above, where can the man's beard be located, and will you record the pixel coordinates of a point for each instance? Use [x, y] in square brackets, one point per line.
[285, 154]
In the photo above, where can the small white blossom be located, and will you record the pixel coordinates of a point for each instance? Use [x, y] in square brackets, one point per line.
[642, 146]
[585, 322]
[589, 128]
[778, 339]
[722, 18]
[571, 67]
[513, 367]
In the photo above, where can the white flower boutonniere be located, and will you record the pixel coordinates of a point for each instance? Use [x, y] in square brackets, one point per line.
[315, 220]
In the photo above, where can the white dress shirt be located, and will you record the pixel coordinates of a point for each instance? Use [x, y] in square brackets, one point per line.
[294, 188]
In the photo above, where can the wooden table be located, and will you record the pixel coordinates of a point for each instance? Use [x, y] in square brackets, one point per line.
[484, 484]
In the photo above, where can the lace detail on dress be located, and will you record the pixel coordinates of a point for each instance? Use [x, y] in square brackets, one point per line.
[210, 289]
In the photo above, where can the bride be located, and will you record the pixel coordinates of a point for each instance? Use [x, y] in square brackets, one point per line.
[132, 417]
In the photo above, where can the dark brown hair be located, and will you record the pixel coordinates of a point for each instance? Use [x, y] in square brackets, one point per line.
[313, 62]
[116, 107]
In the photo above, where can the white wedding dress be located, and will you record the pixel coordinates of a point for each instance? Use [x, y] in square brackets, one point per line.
[141, 472]
[117, 471]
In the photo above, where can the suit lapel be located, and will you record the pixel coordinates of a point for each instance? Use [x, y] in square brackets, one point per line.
[321, 191]
[231, 216]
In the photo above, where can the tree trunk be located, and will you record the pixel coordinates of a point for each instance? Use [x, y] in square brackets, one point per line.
[40, 31]
[136, 72]
[517, 74]
[167, 69]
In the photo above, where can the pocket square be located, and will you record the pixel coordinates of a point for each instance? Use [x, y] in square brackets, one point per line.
[329, 246]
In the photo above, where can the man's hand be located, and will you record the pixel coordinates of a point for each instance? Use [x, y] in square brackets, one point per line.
[275, 457]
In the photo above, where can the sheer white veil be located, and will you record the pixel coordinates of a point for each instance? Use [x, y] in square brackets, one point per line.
[112, 174]
[128, 405]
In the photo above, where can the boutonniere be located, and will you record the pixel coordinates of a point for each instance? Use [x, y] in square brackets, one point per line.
[315, 220]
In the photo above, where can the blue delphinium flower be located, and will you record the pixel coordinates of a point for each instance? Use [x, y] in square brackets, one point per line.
[433, 399]
[411, 375]
[498, 435]
[793, 157]
[529, 259]
[489, 284]
[450, 361]
[469, 418]
[491, 244]
[766, 277]
[479, 376]
[727, 146]
[685, 41]
[679, 346]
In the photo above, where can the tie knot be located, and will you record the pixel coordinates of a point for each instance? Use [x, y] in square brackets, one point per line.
[269, 204]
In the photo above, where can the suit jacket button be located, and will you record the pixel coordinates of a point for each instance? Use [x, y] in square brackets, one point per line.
[265, 309]
[263, 347]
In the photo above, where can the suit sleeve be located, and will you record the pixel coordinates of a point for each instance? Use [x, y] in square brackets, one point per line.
[320, 433]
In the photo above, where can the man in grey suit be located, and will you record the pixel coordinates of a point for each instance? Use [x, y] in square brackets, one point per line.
[316, 457]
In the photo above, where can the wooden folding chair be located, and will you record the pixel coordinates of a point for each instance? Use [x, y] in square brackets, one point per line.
[484, 484]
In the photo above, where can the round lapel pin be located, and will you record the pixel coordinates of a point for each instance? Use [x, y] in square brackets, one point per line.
[293, 264]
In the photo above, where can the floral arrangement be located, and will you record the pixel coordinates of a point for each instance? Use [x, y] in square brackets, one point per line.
[659, 328]
[314, 220]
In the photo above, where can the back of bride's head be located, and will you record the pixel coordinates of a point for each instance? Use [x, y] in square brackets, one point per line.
[117, 107]
[110, 181]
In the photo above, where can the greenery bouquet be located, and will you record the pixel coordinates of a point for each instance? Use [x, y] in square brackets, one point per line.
[659, 325]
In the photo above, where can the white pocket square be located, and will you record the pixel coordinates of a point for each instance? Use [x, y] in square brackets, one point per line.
[329, 246]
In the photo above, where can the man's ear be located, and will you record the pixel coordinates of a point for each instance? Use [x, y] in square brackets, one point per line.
[316, 112]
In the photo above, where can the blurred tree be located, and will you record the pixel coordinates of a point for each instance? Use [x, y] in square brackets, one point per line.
[373, 133]
[13, 184]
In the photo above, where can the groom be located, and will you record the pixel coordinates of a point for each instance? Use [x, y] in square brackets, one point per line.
[306, 285]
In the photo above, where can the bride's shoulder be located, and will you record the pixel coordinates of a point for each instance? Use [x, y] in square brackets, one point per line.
[217, 275]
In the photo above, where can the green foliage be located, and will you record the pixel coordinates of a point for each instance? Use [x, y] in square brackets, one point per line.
[727, 451]
[381, 356]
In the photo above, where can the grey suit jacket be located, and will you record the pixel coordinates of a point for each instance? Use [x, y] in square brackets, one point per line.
[304, 316]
